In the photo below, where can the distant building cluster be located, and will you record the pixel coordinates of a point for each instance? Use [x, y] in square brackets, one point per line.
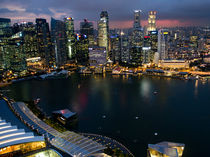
[29, 46]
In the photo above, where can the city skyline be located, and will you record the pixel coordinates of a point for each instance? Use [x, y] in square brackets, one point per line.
[184, 13]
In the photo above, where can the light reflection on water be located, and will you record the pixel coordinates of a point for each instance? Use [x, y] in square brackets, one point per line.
[175, 112]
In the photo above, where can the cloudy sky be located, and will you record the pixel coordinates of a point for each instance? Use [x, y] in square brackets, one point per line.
[169, 12]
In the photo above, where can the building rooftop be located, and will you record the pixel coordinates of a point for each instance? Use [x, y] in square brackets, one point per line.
[11, 135]
[65, 113]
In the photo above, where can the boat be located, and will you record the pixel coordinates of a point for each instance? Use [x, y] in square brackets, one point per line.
[155, 92]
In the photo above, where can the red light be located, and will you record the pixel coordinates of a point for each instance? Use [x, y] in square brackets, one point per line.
[146, 37]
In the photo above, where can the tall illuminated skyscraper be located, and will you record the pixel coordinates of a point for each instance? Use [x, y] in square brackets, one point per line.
[103, 31]
[152, 21]
[137, 19]
[59, 43]
[86, 28]
[137, 34]
[163, 37]
[69, 23]
[44, 41]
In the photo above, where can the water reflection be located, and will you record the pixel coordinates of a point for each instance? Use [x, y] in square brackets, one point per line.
[196, 88]
[145, 88]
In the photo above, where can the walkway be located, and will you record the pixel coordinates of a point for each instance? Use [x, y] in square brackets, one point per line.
[70, 142]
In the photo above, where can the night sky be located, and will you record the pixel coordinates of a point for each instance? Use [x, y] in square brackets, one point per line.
[169, 12]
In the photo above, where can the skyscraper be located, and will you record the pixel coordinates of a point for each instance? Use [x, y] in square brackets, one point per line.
[137, 34]
[163, 37]
[5, 27]
[82, 51]
[86, 28]
[69, 24]
[59, 44]
[137, 19]
[44, 41]
[5, 33]
[29, 38]
[103, 31]
[115, 48]
[14, 55]
[152, 21]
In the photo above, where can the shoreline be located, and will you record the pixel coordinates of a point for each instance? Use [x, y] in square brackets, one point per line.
[121, 147]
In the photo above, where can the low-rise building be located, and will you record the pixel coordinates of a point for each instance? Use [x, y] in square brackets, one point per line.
[175, 64]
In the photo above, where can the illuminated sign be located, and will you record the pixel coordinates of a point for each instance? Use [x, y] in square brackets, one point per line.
[165, 33]
[154, 32]
[146, 37]
[146, 48]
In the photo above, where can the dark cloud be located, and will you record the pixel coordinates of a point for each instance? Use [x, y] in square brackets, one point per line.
[195, 11]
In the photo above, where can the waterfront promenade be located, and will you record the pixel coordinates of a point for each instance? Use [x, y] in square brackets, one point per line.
[69, 142]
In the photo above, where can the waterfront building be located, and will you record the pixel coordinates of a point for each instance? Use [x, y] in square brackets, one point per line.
[154, 45]
[65, 116]
[164, 149]
[103, 31]
[124, 48]
[59, 41]
[16, 142]
[151, 21]
[148, 55]
[136, 56]
[86, 28]
[82, 49]
[163, 41]
[97, 56]
[13, 53]
[115, 48]
[174, 64]
[70, 38]
[29, 39]
[46, 153]
[44, 41]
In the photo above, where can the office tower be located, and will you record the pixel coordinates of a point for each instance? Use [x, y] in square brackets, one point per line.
[148, 54]
[69, 23]
[151, 21]
[5, 27]
[115, 48]
[136, 56]
[86, 28]
[137, 19]
[137, 34]
[124, 47]
[5, 32]
[29, 38]
[82, 49]
[103, 31]
[163, 37]
[14, 57]
[44, 41]
[154, 45]
[59, 44]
